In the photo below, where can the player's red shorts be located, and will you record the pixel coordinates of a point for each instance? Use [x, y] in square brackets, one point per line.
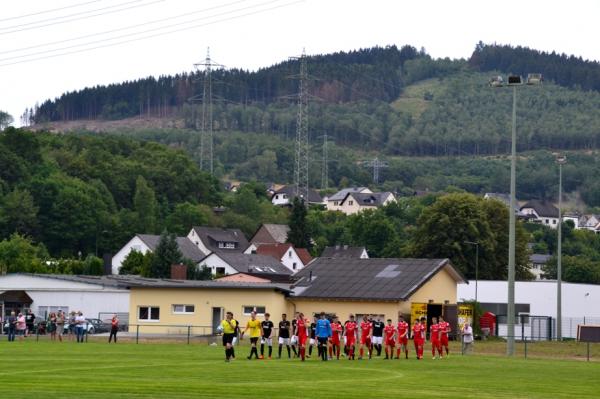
[444, 340]
[350, 340]
[335, 339]
[302, 339]
[390, 342]
[365, 340]
[403, 340]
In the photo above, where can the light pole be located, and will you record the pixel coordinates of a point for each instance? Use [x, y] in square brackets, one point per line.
[514, 81]
[561, 160]
[476, 264]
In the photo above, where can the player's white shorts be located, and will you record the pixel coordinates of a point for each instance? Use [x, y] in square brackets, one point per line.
[284, 341]
[312, 341]
[345, 340]
[268, 341]
[377, 340]
[294, 340]
[234, 341]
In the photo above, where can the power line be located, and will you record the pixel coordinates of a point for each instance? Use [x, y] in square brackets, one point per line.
[121, 29]
[25, 27]
[158, 34]
[376, 164]
[49, 11]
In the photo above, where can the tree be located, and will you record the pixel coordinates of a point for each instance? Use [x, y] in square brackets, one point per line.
[166, 254]
[20, 254]
[137, 263]
[93, 266]
[299, 235]
[184, 216]
[5, 120]
[575, 270]
[373, 230]
[18, 213]
[145, 205]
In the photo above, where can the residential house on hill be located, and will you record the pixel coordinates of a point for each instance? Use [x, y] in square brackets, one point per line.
[356, 202]
[285, 196]
[293, 258]
[270, 234]
[214, 239]
[333, 202]
[537, 263]
[344, 251]
[222, 263]
[543, 212]
[148, 242]
[590, 222]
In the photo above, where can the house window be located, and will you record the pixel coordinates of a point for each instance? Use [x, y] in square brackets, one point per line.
[547, 221]
[183, 309]
[290, 254]
[226, 245]
[220, 270]
[137, 248]
[260, 310]
[294, 266]
[277, 196]
[148, 313]
[554, 222]
[44, 311]
[336, 203]
[350, 203]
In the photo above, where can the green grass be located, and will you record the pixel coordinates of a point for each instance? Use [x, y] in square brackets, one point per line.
[97, 370]
[412, 98]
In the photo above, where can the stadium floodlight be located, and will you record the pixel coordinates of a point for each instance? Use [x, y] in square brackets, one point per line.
[515, 80]
[496, 81]
[560, 160]
[534, 78]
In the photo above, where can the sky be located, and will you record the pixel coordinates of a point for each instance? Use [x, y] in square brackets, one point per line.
[48, 48]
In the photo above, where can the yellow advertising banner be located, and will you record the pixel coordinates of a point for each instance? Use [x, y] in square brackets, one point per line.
[417, 310]
[465, 315]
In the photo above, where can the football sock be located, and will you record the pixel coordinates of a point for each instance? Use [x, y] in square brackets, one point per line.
[310, 350]
[289, 353]
[331, 351]
[302, 353]
[270, 351]
[279, 350]
[262, 349]
[361, 352]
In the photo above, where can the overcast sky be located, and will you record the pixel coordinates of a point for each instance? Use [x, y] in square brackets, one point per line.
[254, 33]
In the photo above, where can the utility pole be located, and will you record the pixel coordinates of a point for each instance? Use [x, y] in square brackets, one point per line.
[325, 167]
[302, 147]
[206, 132]
[561, 160]
[376, 164]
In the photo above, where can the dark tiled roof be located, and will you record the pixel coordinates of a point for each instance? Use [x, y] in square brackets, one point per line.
[253, 263]
[539, 259]
[342, 251]
[368, 279]
[368, 199]
[210, 236]
[340, 195]
[542, 208]
[186, 246]
[313, 196]
[279, 232]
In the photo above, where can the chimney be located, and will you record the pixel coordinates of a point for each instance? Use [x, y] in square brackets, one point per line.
[107, 259]
[179, 272]
[310, 276]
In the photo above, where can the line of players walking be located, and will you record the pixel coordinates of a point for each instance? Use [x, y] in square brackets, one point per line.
[371, 335]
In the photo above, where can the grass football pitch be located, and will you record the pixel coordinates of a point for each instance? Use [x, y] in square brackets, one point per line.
[161, 370]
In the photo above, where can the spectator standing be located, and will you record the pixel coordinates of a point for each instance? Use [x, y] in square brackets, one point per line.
[72, 317]
[21, 326]
[12, 326]
[60, 324]
[29, 322]
[51, 326]
[114, 327]
[80, 326]
[467, 337]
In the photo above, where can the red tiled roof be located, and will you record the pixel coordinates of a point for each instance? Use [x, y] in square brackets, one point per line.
[275, 250]
[304, 255]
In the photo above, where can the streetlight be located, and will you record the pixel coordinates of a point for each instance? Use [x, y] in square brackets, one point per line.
[514, 81]
[560, 160]
[476, 264]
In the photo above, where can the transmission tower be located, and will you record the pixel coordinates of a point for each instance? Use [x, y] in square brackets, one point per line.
[302, 148]
[376, 164]
[206, 124]
[325, 167]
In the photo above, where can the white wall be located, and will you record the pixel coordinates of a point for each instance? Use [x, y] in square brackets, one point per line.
[198, 242]
[134, 244]
[289, 258]
[280, 199]
[91, 299]
[213, 261]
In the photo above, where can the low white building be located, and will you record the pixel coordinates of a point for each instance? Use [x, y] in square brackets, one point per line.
[538, 298]
[45, 293]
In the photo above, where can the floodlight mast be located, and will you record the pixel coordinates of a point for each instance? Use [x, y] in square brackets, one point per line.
[561, 160]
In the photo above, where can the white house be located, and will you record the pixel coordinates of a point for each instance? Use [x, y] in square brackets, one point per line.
[293, 258]
[215, 239]
[147, 242]
[251, 264]
[356, 202]
[537, 263]
[285, 195]
[333, 202]
[95, 296]
[590, 222]
[538, 298]
[543, 212]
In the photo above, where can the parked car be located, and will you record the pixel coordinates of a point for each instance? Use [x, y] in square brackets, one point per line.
[93, 326]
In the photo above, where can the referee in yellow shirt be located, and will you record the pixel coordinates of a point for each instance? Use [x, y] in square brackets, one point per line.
[256, 332]
[229, 326]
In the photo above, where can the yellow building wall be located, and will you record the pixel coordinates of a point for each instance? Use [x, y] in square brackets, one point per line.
[204, 300]
[441, 288]
[344, 308]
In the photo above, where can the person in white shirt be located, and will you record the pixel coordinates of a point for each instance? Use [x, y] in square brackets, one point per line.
[80, 326]
[467, 338]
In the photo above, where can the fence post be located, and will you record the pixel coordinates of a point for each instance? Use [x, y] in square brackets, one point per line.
[588, 351]
[37, 333]
[188, 334]
[137, 333]
[521, 319]
[525, 347]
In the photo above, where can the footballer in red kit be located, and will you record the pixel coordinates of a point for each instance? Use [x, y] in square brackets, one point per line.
[302, 334]
[434, 337]
[365, 336]
[336, 331]
[418, 338]
[389, 331]
[403, 332]
[444, 330]
[350, 334]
